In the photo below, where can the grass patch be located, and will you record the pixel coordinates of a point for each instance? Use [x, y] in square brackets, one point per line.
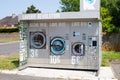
[5, 40]
[9, 62]
[107, 57]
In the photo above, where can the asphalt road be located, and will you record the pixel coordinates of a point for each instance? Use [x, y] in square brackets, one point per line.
[9, 48]
[20, 77]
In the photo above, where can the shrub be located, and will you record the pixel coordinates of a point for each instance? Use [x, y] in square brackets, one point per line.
[9, 30]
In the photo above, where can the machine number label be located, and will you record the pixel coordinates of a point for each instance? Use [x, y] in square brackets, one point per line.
[54, 59]
[75, 59]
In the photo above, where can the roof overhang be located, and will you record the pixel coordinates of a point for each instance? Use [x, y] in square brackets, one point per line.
[60, 16]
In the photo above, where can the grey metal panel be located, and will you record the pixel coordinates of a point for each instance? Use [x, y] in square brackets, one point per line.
[38, 61]
[39, 53]
[80, 15]
[44, 58]
[89, 31]
[61, 29]
[64, 15]
[100, 43]
[62, 66]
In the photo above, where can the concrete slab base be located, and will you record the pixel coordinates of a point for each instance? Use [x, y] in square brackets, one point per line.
[105, 73]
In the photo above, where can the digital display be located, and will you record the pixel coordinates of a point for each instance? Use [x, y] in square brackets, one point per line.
[94, 43]
[76, 33]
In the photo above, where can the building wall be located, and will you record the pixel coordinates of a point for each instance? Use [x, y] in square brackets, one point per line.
[0, 26]
[8, 26]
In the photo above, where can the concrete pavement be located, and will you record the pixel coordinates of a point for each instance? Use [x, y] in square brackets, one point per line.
[105, 73]
[116, 68]
[22, 77]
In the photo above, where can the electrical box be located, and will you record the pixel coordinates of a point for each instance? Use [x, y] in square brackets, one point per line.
[70, 40]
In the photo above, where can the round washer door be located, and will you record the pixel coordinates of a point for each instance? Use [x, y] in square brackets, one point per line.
[57, 46]
[78, 49]
[38, 40]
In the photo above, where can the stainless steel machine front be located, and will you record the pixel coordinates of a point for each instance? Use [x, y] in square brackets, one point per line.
[69, 40]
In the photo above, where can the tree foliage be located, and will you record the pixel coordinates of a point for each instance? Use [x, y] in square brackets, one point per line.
[32, 9]
[58, 11]
[69, 5]
[106, 20]
[114, 7]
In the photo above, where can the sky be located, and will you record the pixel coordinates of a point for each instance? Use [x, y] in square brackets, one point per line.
[9, 7]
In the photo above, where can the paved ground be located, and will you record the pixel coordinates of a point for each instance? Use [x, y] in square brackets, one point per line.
[55, 74]
[116, 68]
[20, 77]
[9, 48]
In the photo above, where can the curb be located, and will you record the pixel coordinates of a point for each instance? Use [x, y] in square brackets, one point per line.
[9, 71]
[9, 42]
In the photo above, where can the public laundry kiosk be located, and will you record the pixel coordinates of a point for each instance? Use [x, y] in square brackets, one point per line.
[70, 40]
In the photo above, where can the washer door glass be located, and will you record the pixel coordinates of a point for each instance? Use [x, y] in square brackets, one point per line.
[38, 40]
[57, 46]
[78, 49]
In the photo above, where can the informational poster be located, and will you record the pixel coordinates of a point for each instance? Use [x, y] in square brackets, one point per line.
[23, 43]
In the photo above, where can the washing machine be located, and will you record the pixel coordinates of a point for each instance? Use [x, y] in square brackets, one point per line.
[38, 43]
[78, 49]
[84, 45]
[59, 45]
[37, 40]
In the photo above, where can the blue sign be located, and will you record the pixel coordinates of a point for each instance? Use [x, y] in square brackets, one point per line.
[90, 1]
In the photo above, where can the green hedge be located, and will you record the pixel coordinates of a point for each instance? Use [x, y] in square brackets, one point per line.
[9, 30]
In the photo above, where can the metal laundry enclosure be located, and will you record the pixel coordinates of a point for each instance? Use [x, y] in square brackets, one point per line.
[69, 40]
